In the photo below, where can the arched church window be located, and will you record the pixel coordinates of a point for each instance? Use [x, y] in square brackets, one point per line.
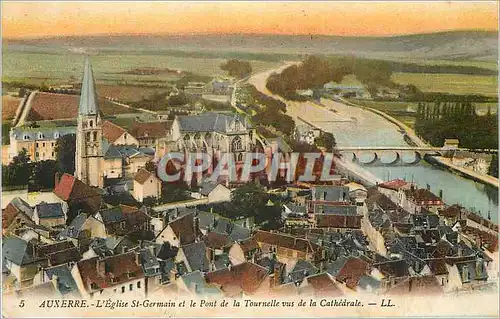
[237, 144]
[197, 136]
[91, 123]
[88, 136]
[240, 157]
[186, 137]
[95, 136]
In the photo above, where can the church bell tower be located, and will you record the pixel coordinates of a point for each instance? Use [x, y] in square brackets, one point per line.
[89, 161]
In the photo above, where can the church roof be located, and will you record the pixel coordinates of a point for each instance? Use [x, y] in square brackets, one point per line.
[210, 122]
[88, 97]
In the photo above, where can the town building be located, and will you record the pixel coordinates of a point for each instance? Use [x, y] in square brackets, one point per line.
[146, 184]
[119, 276]
[50, 214]
[40, 143]
[15, 215]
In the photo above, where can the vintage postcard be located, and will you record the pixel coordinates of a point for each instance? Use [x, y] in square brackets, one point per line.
[250, 159]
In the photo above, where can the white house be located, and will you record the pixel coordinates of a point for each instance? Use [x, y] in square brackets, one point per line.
[146, 184]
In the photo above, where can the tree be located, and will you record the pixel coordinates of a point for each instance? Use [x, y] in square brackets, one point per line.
[174, 192]
[20, 169]
[150, 166]
[43, 175]
[150, 201]
[326, 140]
[65, 153]
[249, 198]
[237, 68]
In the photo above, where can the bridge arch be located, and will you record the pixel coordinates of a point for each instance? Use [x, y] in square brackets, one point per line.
[418, 158]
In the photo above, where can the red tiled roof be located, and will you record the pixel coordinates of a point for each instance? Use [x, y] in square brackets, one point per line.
[324, 286]
[52, 106]
[73, 190]
[452, 211]
[64, 256]
[183, 227]
[65, 186]
[9, 213]
[246, 277]
[437, 266]
[393, 268]
[111, 131]
[395, 184]
[286, 241]
[422, 195]
[150, 129]
[216, 241]
[45, 250]
[248, 245]
[353, 269]
[338, 221]
[108, 272]
[142, 176]
[419, 286]
[9, 106]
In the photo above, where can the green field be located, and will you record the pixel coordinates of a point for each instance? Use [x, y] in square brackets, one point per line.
[450, 83]
[61, 68]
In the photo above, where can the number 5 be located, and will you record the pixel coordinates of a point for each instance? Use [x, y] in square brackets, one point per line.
[21, 304]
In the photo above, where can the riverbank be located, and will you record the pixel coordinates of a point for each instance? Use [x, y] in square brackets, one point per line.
[356, 173]
[446, 163]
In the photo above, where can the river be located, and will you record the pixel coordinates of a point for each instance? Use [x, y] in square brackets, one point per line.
[369, 129]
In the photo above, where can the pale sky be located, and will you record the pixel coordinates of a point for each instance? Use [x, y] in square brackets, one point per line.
[41, 19]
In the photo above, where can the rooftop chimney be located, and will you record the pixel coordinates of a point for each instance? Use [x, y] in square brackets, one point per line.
[196, 227]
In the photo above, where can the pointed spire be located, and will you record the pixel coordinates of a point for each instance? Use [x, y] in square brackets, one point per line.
[88, 97]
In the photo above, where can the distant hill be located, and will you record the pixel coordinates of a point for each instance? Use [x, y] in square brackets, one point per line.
[452, 45]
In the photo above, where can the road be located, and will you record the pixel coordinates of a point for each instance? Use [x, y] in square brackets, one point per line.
[24, 110]
[413, 148]
[307, 112]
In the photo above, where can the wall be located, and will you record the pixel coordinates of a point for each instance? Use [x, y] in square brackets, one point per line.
[375, 238]
[236, 254]
[51, 222]
[113, 168]
[219, 194]
[126, 139]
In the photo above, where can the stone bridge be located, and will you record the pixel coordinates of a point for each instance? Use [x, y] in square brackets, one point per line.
[398, 151]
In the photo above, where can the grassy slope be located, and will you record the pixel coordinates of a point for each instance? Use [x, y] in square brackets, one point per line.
[469, 44]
